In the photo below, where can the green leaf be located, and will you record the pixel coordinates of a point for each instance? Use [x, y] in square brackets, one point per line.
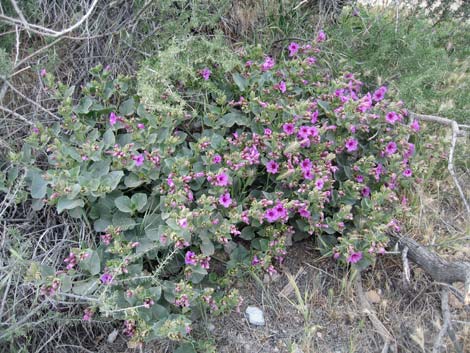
[186, 348]
[233, 118]
[38, 186]
[127, 107]
[324, 105]
[207, 247]
[112, 179]
[108, 138]
[198, 273]
[132, 181]
[240, 81]
[139, 201]
[124, 204]
[92, 263]
[66, 204]
[84, 106]
[247, 233]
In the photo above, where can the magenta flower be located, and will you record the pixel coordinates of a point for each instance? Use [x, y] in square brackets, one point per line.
[88, 314]
[410, 150]
[225, 200]
[280, 210]
[391, 148]
[415, 125]
[407, 172]
[221, 179]
[272, 167]
[307, 174]
[321, 36]
[303, 212]
[112, 118]
[282, 87]
[141, 126]
[268, 64]
[183, 223]
[206, 73]
[379, 94]
[293, 48]
[304, 132]
[217, 159]
[319, 184]
[354, 257]
[271, 215]
[190, 258]
[311, 60]
[288, 128]
[106, 278]
[255, 261]
[351, 144]
[306, 164]
[392, 117]
[43, 72]
[138, 159]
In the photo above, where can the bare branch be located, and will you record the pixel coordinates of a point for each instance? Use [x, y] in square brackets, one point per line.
[43, 30]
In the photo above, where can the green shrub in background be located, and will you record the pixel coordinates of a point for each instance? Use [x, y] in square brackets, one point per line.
[223, 162]
[427, 65]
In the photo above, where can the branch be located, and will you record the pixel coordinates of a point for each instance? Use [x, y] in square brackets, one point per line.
[455, 133]
[44, 30]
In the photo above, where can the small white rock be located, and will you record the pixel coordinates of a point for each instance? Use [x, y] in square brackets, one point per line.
[112, 336]
[255, 316]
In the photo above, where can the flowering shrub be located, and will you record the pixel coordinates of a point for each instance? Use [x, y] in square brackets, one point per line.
[272, 151]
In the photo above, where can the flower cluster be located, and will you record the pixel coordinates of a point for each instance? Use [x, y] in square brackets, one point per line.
[279, 150]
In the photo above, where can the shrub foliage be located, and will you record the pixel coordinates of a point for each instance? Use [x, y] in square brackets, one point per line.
[214, 172]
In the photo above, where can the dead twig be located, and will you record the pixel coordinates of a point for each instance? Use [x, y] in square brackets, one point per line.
[447, 326]
[389, 340]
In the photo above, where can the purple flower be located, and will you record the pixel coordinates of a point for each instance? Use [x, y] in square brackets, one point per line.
[293, 48]
[410, 151]
[303, 212]
[43, 72]
[392, 117]
[365, 192]
[190, 258]
[415, 125]
[307, 174]
[206, 73]
[35, 130]
[319, 184]
[112, 118]
[221, 179]
[271, 215]
[183, 223]
[216, 159]
[138, 159]
[282, 87]
[268, 64]
[306, 165]
[351, 144]
[272, 167]
[391, 148]
[380, 94]
[304, 132]
[106, 278]
[280, 210]
[354, 257]
[288, 128]
[407, 172]
[311, 60]
[321, 36]
[255, 261]
[225, 200]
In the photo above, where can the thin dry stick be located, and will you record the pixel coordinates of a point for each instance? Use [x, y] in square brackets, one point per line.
[447, 326]
[455, 133]
[389, 340]
[406, 265]
[43, 30]
[13, 88]
[15, 114]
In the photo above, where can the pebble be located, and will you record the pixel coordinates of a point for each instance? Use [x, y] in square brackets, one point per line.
[255, 316]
